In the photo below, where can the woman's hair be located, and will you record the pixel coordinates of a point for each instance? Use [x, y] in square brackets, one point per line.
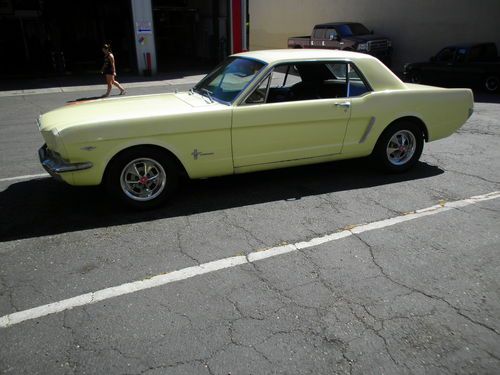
[107, 46]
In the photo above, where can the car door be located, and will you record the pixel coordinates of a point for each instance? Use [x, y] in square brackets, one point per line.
[298, 111]
[466, 70]
[326, 38]
[438, 71]
[332, 39]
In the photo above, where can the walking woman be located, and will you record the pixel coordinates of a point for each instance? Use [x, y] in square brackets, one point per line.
[109, 70]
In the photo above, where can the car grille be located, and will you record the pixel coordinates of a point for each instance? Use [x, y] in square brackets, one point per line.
[377, 45]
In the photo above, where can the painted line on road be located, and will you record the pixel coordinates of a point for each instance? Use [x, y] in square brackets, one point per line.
[189, 272]
[26, 177]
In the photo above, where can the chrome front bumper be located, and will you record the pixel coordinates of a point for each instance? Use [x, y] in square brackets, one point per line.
[55, 165]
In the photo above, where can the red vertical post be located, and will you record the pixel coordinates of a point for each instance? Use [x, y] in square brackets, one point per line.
[148, 61]
[237, 20]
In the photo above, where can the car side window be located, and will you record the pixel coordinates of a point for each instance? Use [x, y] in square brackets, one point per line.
[356, 86]
[277, 86]
[461, 54]
[259, 95]
[331, 34]
[446, 55]
[309, 81]
[319, 33]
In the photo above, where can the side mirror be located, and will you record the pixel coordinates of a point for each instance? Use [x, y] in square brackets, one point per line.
[372, 32]
[338, 38]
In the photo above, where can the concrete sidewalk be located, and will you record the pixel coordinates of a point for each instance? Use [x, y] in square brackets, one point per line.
[56, 86]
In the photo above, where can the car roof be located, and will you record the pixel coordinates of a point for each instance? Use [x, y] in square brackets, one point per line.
[377, 74]
[282, 55]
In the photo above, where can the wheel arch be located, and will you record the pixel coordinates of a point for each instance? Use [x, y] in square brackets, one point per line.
[379, 153]
[181, 168]
[414, 119]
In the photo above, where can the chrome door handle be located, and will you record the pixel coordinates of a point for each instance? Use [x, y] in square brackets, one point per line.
[343, 104]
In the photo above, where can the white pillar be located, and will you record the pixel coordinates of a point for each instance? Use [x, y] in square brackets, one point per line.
[142, 17]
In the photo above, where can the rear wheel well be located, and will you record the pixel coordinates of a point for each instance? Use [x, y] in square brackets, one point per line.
[416, 121]
[181, 169]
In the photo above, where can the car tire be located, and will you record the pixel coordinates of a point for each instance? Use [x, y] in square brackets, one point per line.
[142, 177]
[492, 83]
[399, 147]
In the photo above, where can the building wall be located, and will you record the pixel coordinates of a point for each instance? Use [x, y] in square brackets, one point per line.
[418, 28]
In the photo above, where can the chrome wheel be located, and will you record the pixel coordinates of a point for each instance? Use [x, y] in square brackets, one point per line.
[143, 179]
[401, 147]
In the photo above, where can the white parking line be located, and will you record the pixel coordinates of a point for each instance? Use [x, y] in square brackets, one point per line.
[26, 177]
[187, 273]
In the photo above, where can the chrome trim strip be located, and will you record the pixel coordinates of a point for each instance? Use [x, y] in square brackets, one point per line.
[286, 161]
[368, 130]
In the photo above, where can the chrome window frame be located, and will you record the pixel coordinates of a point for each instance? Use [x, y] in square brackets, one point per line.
[270, 68]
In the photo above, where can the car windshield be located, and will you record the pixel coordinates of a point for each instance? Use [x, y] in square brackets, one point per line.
[229, 79]
[352, 29]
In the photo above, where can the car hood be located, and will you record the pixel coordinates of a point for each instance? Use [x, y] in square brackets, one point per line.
[120, 109]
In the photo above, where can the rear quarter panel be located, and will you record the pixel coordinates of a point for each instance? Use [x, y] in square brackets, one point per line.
[443, 111]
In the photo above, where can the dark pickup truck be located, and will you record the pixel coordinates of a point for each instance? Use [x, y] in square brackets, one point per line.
[347, 36]
[464, 65]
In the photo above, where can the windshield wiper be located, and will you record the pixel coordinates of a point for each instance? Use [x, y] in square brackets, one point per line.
[209, 94]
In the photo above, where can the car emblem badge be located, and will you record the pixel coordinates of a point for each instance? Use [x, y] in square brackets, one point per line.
[88, 148]
[196, 154]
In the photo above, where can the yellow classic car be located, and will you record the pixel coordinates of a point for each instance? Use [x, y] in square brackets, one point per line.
[256, 111]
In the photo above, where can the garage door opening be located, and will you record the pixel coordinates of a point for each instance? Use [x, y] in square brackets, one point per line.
[190, 34]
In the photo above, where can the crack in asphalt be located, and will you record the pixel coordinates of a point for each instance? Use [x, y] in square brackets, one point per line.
[248, 234]
[329, 202]
[349, 306]
[440, 164]
[377, 203]
[477, 132]
[180, 246]
[9, 291]
[473, 176]
[428, 295]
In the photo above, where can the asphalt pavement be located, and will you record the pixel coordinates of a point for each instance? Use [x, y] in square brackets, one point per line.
[322, 269]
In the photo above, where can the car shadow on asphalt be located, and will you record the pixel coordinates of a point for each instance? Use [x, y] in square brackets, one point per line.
[44, 207]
